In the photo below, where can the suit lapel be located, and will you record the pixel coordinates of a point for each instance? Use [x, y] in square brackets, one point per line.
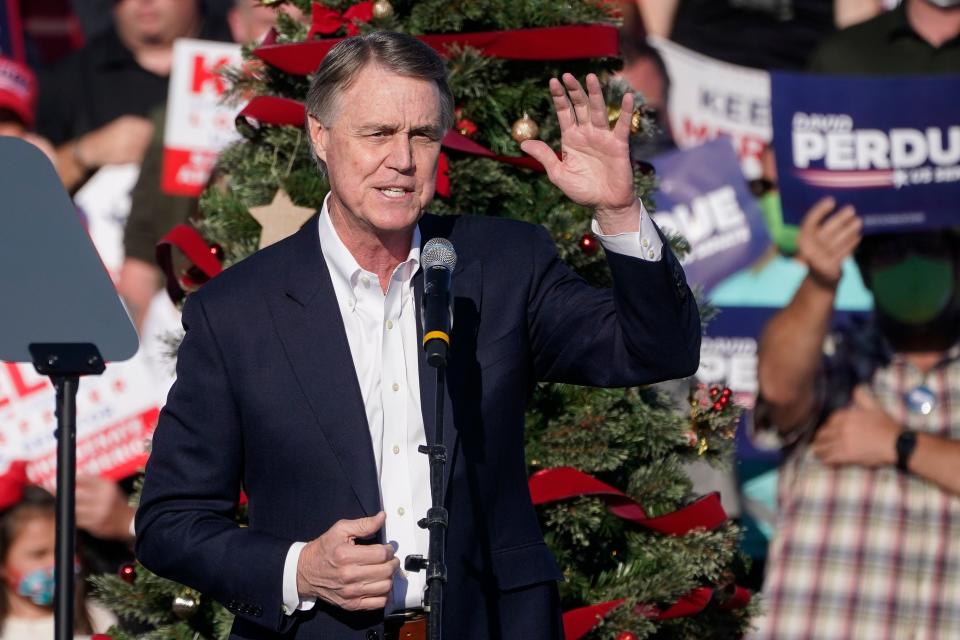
[311, 328]
[466, 293]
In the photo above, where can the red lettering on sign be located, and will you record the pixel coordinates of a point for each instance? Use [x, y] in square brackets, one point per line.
[20, 386]
[204, 74]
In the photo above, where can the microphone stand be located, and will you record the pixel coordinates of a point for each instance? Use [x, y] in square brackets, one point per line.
[437, 518]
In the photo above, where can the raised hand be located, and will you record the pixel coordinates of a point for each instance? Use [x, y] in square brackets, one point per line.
[824, 244]
[594, 168]
[348, 575]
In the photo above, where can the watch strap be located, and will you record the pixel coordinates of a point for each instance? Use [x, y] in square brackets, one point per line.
[906, 443]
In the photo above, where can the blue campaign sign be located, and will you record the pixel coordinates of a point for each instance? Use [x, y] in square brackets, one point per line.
[888, 145]
[703, 196]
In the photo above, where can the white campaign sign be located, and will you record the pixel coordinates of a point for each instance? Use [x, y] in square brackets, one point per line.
[709, 98]
[198, 124]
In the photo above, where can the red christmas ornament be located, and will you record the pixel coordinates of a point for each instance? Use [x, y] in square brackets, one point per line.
[627, 635]
[714, 391]
[217, 251]
[100, 636]
[588, 244]
[726, 392]
[128, 573]
[465, 127]
[717, 406]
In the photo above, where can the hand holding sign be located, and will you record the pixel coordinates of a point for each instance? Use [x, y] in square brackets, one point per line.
[823, 244]
[594, 169]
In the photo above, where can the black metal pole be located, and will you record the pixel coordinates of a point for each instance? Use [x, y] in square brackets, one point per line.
[437, 520]
[66, 519]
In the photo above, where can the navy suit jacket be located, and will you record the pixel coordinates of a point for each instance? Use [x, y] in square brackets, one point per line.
[266, 399]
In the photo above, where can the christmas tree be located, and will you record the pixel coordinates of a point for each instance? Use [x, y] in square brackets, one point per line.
[642, 556]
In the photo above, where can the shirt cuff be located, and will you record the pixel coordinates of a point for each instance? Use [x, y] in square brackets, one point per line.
[291, 597]
[644, 244]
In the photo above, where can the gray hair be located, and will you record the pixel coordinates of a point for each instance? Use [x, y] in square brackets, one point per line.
[396, 52]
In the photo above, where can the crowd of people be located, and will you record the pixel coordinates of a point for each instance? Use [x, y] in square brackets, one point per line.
[868, 499]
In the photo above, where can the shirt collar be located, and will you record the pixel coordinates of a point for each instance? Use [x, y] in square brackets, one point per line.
[344, 268]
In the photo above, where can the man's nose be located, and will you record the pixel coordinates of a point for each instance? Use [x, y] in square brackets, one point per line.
[400, 156]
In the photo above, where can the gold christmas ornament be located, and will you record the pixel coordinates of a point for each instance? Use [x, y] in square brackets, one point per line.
[636, 118]
[702, 446]
[382, 9]
[613, 114]
[272, 3]
[279, 219]
[185, 605]
[525, 128]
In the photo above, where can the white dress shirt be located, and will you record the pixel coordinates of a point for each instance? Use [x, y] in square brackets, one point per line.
[382, 333]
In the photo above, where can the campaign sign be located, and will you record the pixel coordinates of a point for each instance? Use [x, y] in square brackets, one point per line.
[703, 196]
[116, 414]
[710, 98]
[198, 124]
[889, 146]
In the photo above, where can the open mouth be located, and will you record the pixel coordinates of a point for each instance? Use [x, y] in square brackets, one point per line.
[394, 192]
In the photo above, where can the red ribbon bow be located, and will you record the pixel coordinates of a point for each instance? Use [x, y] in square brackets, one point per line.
[326, 21]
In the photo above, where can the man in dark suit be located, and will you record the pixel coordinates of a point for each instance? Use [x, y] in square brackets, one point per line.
[300, 378]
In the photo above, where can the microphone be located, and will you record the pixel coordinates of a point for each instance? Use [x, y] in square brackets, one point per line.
[438, 259]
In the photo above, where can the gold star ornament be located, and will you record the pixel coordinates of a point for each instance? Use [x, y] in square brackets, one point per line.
[279, 219]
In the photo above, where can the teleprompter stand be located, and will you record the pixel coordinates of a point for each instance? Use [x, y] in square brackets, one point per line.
[65, 318]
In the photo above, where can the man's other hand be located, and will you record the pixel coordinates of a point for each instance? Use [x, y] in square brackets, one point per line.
[102, 508]
[348, 575]
[861, 433]
[823, 244]
[120, 141]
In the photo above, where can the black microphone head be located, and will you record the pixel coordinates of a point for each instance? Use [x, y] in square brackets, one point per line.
[438, 252]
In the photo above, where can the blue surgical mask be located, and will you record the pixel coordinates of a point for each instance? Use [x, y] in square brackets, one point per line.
[39, 586]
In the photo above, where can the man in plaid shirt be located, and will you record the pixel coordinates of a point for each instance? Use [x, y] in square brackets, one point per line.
[868, 542]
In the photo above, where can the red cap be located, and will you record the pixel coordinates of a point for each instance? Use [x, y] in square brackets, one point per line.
[12, 483]
[18, 90]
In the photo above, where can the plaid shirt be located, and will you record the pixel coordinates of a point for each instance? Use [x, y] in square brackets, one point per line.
[859, 552]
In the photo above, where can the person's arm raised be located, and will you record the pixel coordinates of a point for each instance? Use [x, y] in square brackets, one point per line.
[792, 342]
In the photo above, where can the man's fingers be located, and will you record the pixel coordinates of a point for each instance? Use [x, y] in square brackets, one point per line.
[360, 590]
[363, 554]
[361, 527]
[847, 233]
[542, 153]
[816, 214]
[843, 218]
[578, 97]
[622, 129]
[366, 604]
[596, 103]
[561, 103]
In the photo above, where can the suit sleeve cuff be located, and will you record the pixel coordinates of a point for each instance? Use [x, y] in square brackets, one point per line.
[291, 597]
[644, 244]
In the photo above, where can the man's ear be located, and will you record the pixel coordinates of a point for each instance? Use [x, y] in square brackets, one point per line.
[319, 136]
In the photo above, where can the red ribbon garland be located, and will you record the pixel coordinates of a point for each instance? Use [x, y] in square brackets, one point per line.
[573, 42]
[578, 622]
[563, 483]
[325, 20]
[189, 241]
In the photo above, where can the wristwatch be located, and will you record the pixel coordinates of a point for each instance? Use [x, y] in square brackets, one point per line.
[906, 443]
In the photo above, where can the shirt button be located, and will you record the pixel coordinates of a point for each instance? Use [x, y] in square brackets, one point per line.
[389, 324]
[351, 303]
[400, 511]
[365, 281]
[396, 386]
[396, 449]
[645, 243]
[651, 254]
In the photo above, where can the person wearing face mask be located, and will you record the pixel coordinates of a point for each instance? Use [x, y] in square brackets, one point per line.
[870, 417]
[27, 546]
